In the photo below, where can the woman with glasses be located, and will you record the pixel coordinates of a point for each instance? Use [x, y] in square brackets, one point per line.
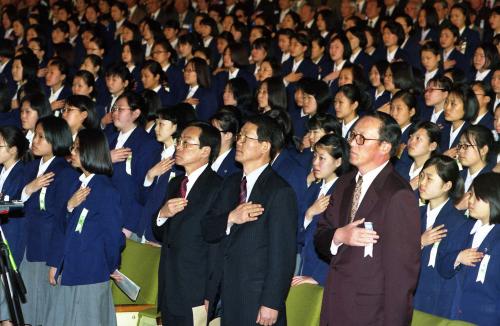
[440, 185]
[79, 112]
[460, 109]
[199, 93]
[133, 153]
[435, 94]
[474, 153]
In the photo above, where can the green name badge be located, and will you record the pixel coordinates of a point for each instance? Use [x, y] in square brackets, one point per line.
[128, 165]
[81, 220]
[43, 192]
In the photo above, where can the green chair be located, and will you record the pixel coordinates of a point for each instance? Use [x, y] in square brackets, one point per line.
[139, 263]
[424, 319]
[303, 305]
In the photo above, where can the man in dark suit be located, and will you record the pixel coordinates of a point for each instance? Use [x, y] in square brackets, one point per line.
[184, 262]
[370, 231]
[136, 13]
[257, 221]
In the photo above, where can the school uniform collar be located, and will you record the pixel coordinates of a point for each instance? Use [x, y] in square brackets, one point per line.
[42, 167]
[85, 180]
[432, 214]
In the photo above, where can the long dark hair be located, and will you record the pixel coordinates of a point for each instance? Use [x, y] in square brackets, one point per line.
[94, 152]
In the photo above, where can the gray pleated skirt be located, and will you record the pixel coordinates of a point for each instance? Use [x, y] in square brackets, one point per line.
[36, 278]
[81, 305]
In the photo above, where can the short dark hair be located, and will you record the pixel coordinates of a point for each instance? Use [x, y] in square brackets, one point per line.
[135, 102]
[276, 91]
[469, 100]
[14, 137]
[57, 134]
[433, 132]
[229, 119]
[481, 136]
[94, 152]
[337, 147]
[85, 103]
[321, 92]
[39, 103]
[30, 65]
[89, 80]
[304, 41]
[487, 188]
[268, 130]
[180, 114]
[326, 122]
[209, 137]
[389, 130]
[448, 171]
[359, 33]
[202, 71]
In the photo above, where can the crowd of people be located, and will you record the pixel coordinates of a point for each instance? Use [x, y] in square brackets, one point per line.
[351, 144]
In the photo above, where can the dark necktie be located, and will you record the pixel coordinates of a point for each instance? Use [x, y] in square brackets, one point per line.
[243, 190]
[356, 198]
[183, 188]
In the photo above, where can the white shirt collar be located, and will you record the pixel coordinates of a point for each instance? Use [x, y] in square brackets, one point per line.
[470, 178]
[42, 167]
[482, 75]
[339, 66]
[218, 161]
[206, 42]
[326, 186]
[390, 55]
[29, 136]
[425, 32]
[167, 152]
[252, 178]
[480, 231]
[414, 172]
[479, 117]
[119, 24]
[85, 179]
[166, 67]
[233, 74]
[285, 57]
[405, 127]
[347, 127]
[191, 91]
[157, 88]
[193, 176]
[435, 115]
[54, 95]
[454, 133]
[296, 65]
[429, 75]
[123, 137]
[433, 213]
[354, 56]
[2, 67]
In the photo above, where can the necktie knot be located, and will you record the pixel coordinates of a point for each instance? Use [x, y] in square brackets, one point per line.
[243, 190]
[183, 188]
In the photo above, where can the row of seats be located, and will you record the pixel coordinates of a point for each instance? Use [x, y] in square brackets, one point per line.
[303, 305]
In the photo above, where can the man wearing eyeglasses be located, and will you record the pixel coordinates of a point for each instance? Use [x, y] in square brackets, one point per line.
[371, 232]
[257, 222]
[184, 261]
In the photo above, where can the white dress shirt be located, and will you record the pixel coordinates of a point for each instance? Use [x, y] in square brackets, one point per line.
[435, 115]
[432, 214]
[480, 232]
[5, 174]
[218, 161]
[42, 167]
[54, 95]
[454, 133]
[123, 137]
[322, 192]
[347, 126]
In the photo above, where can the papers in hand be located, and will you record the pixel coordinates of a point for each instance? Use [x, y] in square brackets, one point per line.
[128, 286]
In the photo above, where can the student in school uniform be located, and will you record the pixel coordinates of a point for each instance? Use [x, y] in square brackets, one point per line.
[469, 39]
[200, 93]
[166, 56]
[470, 258]
[449, 38]
[331, 159]
[79, 112]
[33, 107]
[55, 81]
[169, 124]
[460, 108]
[440, 185]
[435, 95]
[485, 96]
[378, 94]
[45, 196]
[227, 120]
[91, 238]
[154, 78]
[301, 65]
[13, 156]
[133, 153]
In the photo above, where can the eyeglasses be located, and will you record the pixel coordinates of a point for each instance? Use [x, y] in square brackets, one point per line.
[464, 146]
[119, 108]
[184, 143]
[243, 138]
[68, 109]
[359, 138]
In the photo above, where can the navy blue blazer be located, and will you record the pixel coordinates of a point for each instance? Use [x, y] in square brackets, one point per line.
[364, 60]
[304, 158]
[306, 67]
[434, 293]
[41, 243]
[175, 80]
[11, 118]
[229, 165]
[486, 169]
[145, 152]
[312, 265]
[293, 173]
[471, 37]
[6, 78]
[474, 302]
[426, 115]
[461, 61]
[412, 49]
[445, 136]
[381, 54]
[207, 106]
[15, 223]
[486, 79]
[220, 81]
[166, 97]
[381, 100]
[433, 35]
[136, 76]
[487, 121]
[65, 93]
[103, 94]
[299, 122]
[91, 254]
[325, 66]
[155, 196]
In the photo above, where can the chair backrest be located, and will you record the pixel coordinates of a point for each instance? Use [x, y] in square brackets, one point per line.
[139, 263]
[424, 319]
[303, 305]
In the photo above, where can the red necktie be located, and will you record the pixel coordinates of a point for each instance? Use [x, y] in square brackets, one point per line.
[183, 188]
[243, 190]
